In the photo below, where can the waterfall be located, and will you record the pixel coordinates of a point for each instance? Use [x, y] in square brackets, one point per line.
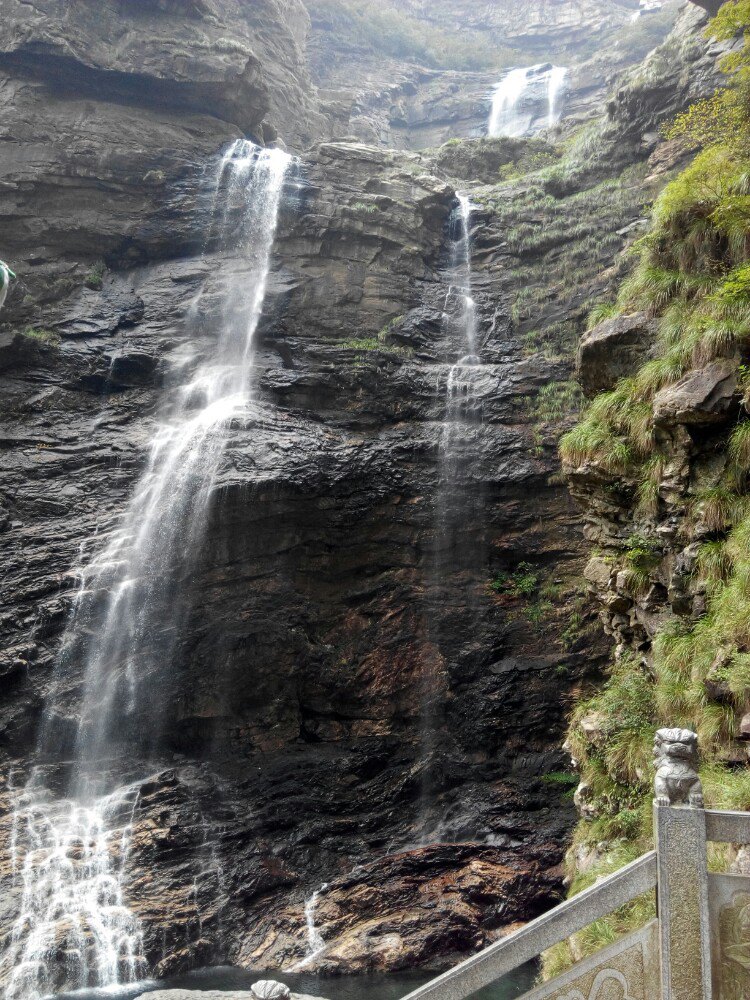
[518, 99]
[461, 312]
[504, 118]
[555, 85]
[315, 943]
[70, 859]
[454, 555]
[70, 850]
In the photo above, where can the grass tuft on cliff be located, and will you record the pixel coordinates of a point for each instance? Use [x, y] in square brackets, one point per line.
[693, 275]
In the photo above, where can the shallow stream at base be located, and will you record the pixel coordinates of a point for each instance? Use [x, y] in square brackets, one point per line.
[392, 986]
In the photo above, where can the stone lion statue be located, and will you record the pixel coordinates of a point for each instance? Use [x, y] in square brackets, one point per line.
[676, 762]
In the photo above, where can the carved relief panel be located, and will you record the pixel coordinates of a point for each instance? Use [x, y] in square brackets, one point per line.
[626, 970]
[729, 901]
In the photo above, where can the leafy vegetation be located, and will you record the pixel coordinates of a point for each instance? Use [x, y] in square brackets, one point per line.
[368, 208]
[564, 780]
[371, 344]
[523, 581]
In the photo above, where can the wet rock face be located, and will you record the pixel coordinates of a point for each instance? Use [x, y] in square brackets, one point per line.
[434, 901]
[327, 702]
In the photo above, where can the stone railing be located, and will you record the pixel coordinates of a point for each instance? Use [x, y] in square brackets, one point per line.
[699, 946]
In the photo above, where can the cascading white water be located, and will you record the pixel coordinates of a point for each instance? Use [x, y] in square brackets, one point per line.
[504, 119]
[315, 943]
[166, 516]
[460, 416]
[461, 311]
[555, 85]
[517, 100]
[70, 861]
[70, 852]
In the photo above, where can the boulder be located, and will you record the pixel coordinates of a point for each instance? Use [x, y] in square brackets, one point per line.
[592, 727]
[270, 989]
[613, 350]
[598, 572]
[704, 396]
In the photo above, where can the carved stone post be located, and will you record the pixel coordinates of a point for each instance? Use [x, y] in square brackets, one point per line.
[680, 831]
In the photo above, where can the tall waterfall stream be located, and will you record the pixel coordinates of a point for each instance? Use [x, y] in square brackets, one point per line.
[70, 849]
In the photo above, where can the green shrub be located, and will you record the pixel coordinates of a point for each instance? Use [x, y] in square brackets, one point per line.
[368, 208]
[523, 581]
[95, 278]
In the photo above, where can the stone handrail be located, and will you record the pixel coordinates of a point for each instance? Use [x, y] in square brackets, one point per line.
[727, 827]
[530, 941]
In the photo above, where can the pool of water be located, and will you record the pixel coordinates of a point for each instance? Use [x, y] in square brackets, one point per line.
[374, 987]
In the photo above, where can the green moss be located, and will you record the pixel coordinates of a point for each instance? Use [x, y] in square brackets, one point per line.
[48, 337]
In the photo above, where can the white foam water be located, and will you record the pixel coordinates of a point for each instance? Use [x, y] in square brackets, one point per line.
[461, 313]
[504, 118]
[315, 943]
[555, 86]
[74, 926]
[510, 115]
[70, 852]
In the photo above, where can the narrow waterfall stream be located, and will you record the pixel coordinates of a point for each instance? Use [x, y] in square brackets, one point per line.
[461, 312]
[460, 414]
[555, 87]
[70, 844]
[315, 943]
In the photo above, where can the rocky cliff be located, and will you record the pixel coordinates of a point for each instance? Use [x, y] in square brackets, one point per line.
[659, 466]
[417, 74]
[373, 666]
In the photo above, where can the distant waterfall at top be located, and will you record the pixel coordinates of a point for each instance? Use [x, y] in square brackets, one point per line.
[504, 119]
[527, 99]
[69, 850]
